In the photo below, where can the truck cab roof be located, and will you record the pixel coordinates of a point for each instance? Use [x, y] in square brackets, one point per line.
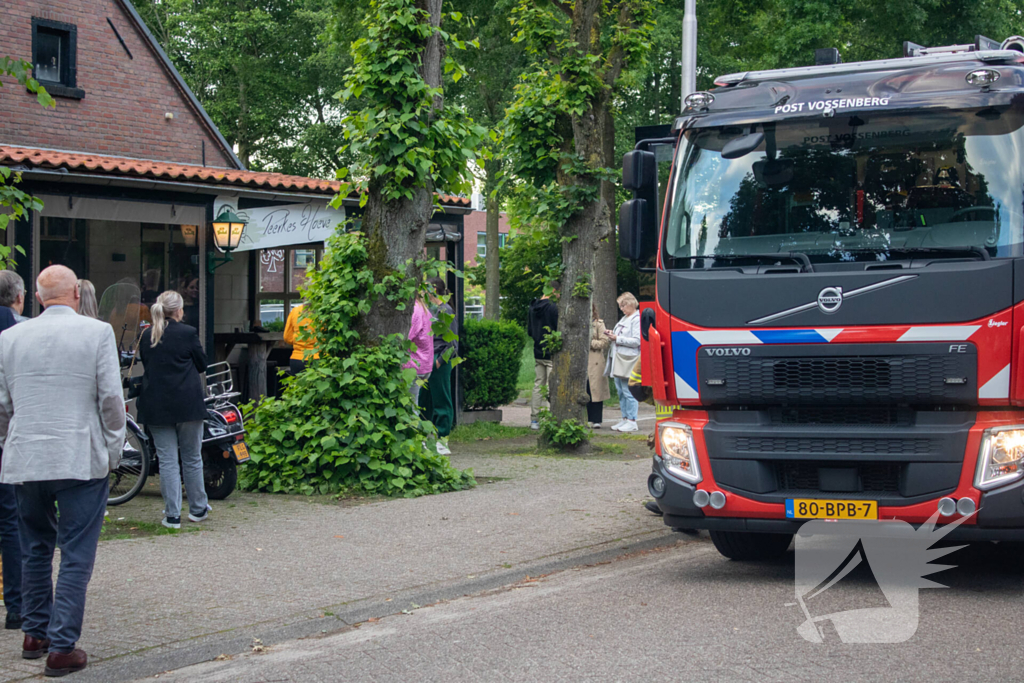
[934, 80]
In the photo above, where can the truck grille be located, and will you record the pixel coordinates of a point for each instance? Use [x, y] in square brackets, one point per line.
[876, 416]
[840, 374]
[874, 477]
[820, 445]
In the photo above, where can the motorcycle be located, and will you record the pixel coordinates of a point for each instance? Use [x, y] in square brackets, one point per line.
[223, 449]
[224, 446]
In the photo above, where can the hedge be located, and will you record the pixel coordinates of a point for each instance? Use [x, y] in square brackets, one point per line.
[492, 352]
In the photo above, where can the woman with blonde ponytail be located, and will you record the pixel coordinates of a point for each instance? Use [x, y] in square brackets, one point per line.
[172, 407]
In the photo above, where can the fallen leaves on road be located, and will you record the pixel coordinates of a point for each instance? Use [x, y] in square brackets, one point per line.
[223, 658]
[339, 537]
[258, 647]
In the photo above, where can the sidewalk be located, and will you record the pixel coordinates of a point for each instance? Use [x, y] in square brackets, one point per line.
[264, 564]
[518, 415]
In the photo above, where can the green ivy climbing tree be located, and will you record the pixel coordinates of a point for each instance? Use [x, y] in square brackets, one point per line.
[407, 141]
[348, 421]
[559, 137]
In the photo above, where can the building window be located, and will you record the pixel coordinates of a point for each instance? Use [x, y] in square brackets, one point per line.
[282, 272]
[481, 243]
[54, 59]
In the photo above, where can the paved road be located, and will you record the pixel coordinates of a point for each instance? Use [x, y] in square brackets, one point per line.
[681, 613]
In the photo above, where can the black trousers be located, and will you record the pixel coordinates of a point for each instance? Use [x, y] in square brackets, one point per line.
[296, 366]
[595, 409]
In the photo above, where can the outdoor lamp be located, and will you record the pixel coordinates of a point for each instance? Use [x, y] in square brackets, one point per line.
[227, 233]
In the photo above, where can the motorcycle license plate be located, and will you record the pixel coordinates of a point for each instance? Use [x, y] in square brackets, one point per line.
[241, 451]
[806, 508]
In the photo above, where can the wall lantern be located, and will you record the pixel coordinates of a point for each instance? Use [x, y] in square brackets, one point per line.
[190, 232]
[227, 233]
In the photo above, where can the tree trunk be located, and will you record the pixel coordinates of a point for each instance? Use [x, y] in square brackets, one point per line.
[492, 300]
[586, 228]
[396, 230]
[607, 259]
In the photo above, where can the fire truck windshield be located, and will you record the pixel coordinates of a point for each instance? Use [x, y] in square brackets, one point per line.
[854, 187]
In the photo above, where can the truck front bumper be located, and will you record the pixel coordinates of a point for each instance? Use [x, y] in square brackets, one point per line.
[999, 517]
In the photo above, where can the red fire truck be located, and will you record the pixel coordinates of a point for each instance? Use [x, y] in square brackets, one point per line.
[839, 321]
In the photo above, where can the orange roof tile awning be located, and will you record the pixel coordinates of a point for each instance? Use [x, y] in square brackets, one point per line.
[123, 167]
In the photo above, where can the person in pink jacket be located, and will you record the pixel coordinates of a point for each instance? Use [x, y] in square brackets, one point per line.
[421, 335]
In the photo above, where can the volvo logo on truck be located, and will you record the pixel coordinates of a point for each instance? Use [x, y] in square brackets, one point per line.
[727, 352]
[830, 299]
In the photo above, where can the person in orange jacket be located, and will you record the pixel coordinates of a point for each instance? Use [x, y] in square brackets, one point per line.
[300, 343]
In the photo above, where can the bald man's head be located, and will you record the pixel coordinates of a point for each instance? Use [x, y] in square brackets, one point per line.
[57, 286]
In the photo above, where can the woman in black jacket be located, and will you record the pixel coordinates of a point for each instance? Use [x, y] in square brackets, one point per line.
[172, 407]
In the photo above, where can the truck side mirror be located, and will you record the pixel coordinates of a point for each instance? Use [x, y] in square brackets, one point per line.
[639, 170]
[634, 217]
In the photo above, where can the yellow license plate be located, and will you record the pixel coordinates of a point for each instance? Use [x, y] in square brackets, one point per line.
[241, 451]
[812, 508]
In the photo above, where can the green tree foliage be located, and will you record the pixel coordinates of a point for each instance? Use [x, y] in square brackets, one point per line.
[266, 72]
[348, 422]
[492, 352]
[17, 201]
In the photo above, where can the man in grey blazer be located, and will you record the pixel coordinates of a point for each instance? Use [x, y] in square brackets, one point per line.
[62, 426]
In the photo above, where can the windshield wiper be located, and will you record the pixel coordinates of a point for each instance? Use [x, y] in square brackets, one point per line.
[796, 256]
[956, 251]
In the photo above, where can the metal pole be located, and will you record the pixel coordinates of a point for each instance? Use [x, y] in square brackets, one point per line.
[689, 51]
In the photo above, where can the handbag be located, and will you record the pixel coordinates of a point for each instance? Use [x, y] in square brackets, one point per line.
[622, 366]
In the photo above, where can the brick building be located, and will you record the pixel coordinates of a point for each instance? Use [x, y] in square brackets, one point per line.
[131, 170]
[476, 234]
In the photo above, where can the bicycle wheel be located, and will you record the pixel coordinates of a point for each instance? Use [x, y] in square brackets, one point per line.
[130, 476]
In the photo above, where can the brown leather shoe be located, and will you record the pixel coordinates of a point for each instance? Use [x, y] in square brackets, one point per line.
[62, 664]
[34, 648]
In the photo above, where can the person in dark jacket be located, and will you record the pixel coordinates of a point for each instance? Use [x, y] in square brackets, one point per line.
[437, 402]
[12, 293]
[172, 407]
[541, 320]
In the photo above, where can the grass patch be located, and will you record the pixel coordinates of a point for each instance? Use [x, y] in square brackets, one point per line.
[116, 529]
[609, 448]
[487, 431]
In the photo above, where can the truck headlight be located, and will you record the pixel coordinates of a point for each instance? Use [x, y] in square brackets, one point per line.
[678, 454]
[1001, 458]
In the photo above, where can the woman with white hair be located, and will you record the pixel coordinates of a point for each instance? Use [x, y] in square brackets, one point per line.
[625, 349]
[171, 405]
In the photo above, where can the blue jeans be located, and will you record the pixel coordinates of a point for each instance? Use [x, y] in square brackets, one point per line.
[186, 439]
[627, 403]
[10, 548]
[68, 513]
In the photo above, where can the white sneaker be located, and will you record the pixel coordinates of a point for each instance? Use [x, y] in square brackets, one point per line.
[629, 426]
[595, 425]
[618, 425]
[535, 426]
[442, 448]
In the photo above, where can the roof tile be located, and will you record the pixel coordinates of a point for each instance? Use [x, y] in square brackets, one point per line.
[73, 161]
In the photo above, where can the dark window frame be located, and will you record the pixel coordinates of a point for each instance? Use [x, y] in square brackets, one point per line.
[68, 85]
